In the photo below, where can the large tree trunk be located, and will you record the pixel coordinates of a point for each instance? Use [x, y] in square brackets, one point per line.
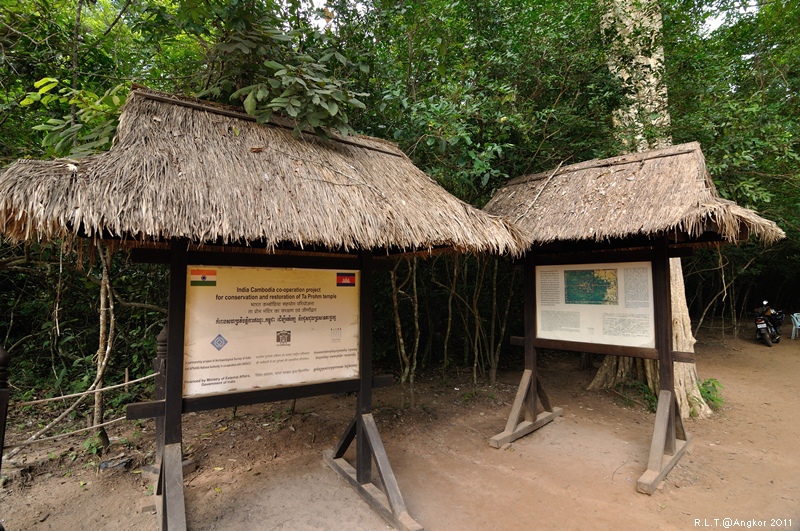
[636, 56]
[687, 390]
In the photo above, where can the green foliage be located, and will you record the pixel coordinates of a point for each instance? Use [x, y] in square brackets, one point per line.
[731, 90]
[478, 91]
[264, 55]
[48, 322]
[93, 445]
[710, 391]
[638, 392]
[96, 118]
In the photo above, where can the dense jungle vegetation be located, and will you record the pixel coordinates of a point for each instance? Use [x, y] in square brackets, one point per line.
[474, 91]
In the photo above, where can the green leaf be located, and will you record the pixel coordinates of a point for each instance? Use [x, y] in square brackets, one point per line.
[250, 103]
[265, 116]
[273, 65]
[45, 80]
[48, 87]
[356, 103]
[333, 108]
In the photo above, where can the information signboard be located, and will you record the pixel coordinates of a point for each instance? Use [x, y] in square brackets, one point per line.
[609, 304]
[258, 328]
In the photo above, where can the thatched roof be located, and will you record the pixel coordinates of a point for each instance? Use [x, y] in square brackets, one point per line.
[180, 167]
[661, 192]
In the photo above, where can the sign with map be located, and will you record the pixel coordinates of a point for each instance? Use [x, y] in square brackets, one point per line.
[259, 327]
[609, 304]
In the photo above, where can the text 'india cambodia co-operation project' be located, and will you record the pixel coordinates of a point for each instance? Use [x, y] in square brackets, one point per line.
[256, 328]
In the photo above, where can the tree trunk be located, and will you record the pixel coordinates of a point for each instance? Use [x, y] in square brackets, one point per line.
[107, 331]
[687, 390]
[408, 359]
[636, 56]
[450, 295]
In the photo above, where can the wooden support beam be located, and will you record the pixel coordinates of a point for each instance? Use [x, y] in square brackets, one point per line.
[524, 417]
[606, 350]
[172, 484]
[662, 314]
[372, 495]
[662, 459]
[529, 318]
[382, 464]
[364, 402]
[346, 439]
[176, 321]
[522, 421]
[155, 408]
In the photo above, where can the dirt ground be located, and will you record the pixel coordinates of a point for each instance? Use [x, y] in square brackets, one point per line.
[262, 469]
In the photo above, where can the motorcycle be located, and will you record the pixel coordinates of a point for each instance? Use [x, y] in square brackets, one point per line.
[768, 324]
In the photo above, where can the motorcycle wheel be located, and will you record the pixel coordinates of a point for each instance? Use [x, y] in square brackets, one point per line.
[767, 340]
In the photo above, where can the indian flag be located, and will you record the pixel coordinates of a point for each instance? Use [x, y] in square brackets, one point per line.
[203, 277]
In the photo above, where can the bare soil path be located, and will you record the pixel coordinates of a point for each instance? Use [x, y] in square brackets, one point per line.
[262, 469]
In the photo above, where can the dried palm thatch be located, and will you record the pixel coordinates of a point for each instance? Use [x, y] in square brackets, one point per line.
[666, 191]
[189, 169]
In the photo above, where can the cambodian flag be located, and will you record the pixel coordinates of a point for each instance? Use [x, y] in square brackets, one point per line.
[345, 279]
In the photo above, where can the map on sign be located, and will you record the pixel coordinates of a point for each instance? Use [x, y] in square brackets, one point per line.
[591, 286]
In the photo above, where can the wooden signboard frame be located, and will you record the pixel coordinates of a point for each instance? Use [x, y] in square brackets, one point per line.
[170, 405]
[669, 436]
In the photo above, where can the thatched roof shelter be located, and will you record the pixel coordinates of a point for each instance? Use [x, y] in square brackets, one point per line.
[184, 168]
[662, 192]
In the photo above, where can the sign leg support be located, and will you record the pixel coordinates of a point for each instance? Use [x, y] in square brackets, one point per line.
[387, 502]
[362, 429]
[669, 437]
[173, 506]
[524, 417]
[667, 446]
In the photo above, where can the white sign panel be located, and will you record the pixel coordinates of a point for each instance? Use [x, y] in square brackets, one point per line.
[610, 304]
[254, 328]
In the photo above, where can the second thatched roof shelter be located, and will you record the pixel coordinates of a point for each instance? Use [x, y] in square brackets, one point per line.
[665, 192]
[184, 168]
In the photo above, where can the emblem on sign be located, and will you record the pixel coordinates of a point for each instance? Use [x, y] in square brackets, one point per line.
[283, 337]
[219, 342]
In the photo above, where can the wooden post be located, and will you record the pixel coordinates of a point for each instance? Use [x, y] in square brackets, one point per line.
[665, 448]
[662, 301]
[173, 506]
[5, 359]
[529, 318]
[176, 321]
[388, 502]
[160, 368]
[524, 417]
[364, 405]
